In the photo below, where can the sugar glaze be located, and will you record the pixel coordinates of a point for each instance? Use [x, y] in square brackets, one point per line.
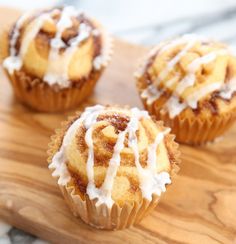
[151, 182]
[57, 72]
[173, 105]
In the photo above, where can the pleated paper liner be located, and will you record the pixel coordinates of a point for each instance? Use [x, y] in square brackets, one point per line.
[38, 95]
[41, 97]
[118, 217]
[197, 130]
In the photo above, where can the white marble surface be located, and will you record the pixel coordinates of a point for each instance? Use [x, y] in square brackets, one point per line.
[150, 21]
[143, 22]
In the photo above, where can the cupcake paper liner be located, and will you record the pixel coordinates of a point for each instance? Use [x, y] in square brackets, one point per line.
[101, 217]
[42, 97]
[38, 95]
[197, 130]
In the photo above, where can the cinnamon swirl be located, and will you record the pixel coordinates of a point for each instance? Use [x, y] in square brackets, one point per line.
[190, 83]
[111, 159]
[54, 57]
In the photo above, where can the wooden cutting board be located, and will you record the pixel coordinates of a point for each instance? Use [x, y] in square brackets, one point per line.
[199, 208]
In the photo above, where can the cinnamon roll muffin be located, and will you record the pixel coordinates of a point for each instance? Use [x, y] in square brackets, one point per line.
[190, 83]
[112, 164]
[53, 58]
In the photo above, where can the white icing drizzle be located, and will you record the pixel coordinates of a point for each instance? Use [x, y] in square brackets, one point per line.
[114, 162]
[173, 62]
[59, 160]
[58, 64]
[190, 39]
[151, 182]
[228, 89]
[57, 72]
[172, 81]
[58, 163]
[98, 62]
[189, 79]
[92, 190]
[151, 94]
[156, 183]
[14, 62]
[193, 98]
[173, 106]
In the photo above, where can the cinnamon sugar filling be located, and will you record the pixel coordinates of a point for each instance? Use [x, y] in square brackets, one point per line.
[42, 43]
[119, 122]
[148, 77]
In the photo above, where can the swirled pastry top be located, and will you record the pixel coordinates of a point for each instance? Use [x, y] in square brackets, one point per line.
[186, 71]
[115, 155]
[59, 46]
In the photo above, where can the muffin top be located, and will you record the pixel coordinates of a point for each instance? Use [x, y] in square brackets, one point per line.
[114, 154]
[190, 73]
[60, 46]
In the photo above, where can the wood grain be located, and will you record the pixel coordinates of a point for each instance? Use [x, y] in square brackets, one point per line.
[199, 208]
